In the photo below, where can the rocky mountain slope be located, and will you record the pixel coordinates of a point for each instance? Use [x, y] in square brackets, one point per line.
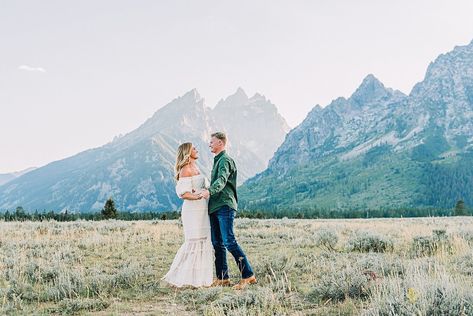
[136, 170]
[379, 148]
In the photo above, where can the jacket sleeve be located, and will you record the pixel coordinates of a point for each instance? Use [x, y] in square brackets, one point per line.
[223, 172]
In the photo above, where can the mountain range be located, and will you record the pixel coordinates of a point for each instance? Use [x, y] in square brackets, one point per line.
[379, 148]
[136, 169]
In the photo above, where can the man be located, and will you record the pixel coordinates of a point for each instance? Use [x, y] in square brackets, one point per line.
[223, 200]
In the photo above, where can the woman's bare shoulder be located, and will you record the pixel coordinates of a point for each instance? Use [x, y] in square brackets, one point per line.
[186, 171]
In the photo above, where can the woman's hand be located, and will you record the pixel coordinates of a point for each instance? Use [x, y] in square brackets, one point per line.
[191, 196]
[198, 196]
[205, 194]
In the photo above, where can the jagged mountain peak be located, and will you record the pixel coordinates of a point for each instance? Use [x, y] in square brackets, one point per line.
[239, 95]
[371, 79]
[192, 95]
[258, 97]
[370, 89]
[183, 111]
[240, 91]
[458, 60]
[316, 110]
[191, 98]
[239, 98]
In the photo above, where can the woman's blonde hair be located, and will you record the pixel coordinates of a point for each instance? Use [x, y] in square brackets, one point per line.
[183, 157]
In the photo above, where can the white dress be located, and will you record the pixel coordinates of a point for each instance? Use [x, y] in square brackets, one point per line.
[194, 261]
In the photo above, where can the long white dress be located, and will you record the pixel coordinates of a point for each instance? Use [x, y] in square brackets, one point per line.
[194, 261]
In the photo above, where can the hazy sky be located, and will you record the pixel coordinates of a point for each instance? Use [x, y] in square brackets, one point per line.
[73, 74]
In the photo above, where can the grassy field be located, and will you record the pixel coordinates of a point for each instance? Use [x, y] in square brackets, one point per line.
[304, 267]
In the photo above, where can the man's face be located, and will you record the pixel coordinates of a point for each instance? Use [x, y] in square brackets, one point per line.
[215, 144]
[194, 153]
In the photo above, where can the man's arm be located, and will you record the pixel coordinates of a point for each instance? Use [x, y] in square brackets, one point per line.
[223, 172]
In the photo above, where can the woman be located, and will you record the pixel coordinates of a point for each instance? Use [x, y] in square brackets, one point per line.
[193, 263]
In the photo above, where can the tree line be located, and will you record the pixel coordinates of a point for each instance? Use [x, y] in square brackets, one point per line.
[109, 211]
[460, 209]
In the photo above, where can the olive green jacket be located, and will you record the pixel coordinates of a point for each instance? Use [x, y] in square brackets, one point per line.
[223, 183]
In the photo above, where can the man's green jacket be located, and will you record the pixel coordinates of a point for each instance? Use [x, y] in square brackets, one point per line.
[223, 183]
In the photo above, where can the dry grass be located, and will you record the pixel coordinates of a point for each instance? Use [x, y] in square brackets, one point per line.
[339, 267]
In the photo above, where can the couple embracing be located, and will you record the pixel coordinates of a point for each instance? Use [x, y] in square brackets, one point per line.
[207, 217]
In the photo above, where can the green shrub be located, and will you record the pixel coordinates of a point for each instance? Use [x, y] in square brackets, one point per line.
[421, 295]
[369, 242]
[431, 245]
[274, 265]
[381, 264]
[467, 235]
[340, 285]
[464, 264]
[326, 239]
[72, 306]
[254, 301]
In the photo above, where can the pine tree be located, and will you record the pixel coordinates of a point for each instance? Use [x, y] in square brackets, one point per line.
[109, 210]
[460, 209]
[20, 212]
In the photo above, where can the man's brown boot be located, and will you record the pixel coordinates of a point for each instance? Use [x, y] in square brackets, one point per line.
[219, 282]
[245, 282]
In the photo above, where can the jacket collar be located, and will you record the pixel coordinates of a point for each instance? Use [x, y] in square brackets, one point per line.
[219, 155]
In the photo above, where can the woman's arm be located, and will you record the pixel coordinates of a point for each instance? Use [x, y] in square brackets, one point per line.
[186, 192]
[191, 196]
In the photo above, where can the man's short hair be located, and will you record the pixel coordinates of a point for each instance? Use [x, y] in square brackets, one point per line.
[221, 136]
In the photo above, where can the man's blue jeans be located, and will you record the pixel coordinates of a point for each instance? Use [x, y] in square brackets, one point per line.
[221, 224]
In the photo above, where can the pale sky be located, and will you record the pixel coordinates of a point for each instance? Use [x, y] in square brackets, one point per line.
[73, 74]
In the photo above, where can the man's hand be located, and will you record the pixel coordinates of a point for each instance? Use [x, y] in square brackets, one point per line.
[205, 194]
